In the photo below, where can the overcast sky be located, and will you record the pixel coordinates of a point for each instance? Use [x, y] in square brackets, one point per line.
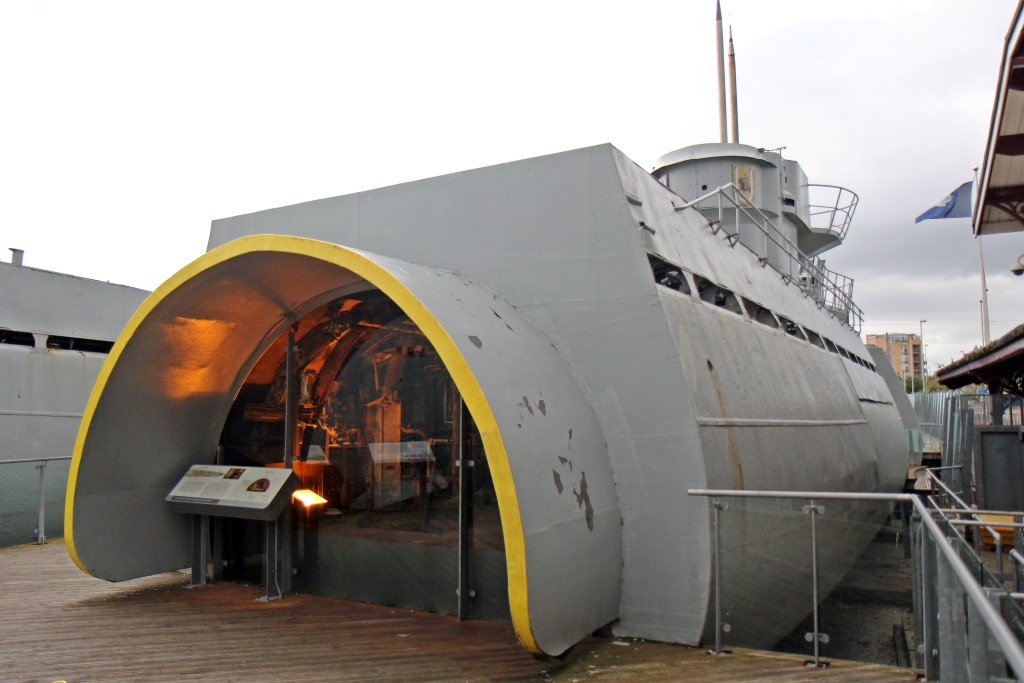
[128, 126]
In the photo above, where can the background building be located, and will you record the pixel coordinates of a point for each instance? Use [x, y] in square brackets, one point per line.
[902, 350]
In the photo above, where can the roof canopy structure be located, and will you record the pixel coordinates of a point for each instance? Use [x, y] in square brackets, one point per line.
[999, 364]
[999, 206]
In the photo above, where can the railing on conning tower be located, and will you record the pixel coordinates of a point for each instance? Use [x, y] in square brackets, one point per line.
[832, 208]
[831, 290]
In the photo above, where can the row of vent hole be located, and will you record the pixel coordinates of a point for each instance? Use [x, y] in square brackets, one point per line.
[674, 277]
[53, 341]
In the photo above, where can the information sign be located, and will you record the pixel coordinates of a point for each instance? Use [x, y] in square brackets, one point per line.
[404, 451]
[254, 492]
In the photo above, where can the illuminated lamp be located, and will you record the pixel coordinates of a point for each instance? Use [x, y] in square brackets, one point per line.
[308, 498]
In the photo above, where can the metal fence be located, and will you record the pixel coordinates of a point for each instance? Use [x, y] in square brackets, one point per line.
[935, 408]
[955, 418]
[969, 625]
[40, 464]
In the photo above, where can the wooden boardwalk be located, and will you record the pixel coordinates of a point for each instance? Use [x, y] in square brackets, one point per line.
[59, 624]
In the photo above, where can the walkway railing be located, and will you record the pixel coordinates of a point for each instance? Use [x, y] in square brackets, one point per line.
[961, 611]
[830, 289]
[40, 532]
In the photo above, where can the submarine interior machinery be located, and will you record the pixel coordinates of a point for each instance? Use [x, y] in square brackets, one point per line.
[505, 380]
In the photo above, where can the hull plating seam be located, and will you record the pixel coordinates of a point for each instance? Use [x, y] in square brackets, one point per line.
[739, 422]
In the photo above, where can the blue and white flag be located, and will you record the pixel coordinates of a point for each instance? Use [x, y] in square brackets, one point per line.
[956, 205]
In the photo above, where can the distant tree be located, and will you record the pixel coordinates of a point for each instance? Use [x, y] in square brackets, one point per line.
[932, 384]
[912, 384]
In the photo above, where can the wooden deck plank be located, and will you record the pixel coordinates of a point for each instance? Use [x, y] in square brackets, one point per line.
[57, 623]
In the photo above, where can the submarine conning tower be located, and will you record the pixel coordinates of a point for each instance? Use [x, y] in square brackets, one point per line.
[765, 201]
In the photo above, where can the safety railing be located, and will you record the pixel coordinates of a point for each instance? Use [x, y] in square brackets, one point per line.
[968, 625]
[832, 208]
[40, 531]
[1017, 565]
[833, 291]
[947, 502]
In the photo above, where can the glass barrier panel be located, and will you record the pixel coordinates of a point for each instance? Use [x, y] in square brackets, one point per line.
[19, 491]
[864, 569]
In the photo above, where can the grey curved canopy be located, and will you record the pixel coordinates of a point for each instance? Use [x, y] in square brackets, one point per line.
[162, 398]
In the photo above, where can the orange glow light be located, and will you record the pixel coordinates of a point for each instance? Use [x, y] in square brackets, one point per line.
[308, 498]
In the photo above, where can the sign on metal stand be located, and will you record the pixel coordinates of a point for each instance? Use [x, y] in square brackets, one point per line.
[260, 493]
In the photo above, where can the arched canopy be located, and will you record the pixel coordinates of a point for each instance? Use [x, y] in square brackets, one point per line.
[162, 398]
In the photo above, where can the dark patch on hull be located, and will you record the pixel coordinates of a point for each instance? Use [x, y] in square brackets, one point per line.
[583, 499]
[526, 404]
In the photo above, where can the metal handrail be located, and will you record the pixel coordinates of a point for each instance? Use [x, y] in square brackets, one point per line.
[24, 460]
[1010, 647]
[836, 289]
[1017, 565]
[840, 208]
[41, 531]
[945, 489]
[968, 510]
[997, 538]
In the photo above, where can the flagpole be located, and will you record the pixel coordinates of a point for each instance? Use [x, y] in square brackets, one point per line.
[985, 331]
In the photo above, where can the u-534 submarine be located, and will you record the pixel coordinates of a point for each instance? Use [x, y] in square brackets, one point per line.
[502, 383]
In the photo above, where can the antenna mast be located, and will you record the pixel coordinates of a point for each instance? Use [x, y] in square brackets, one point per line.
[734, 107]
[719, 60]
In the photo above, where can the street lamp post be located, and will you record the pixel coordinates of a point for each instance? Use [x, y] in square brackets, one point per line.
[922, 355]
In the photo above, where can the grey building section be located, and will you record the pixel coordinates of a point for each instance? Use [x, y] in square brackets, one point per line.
[55, 330]
[48, 374]
[45, 302]
[726, 375]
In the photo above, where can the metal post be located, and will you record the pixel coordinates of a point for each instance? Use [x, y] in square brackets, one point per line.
[928, 646]
[217, 550]
[977, 643]
[985, 329]
[277, 556]
[41, 531]
[200, 549]
[922, 354]
[818, 637]
[289, 398]
[915, 538]
[952, 626]
[719, 626]
[736, 211]
[766, 232]
[462, 457]
[270, 560]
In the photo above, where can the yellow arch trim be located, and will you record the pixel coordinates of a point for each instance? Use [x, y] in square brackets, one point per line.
[462, 375]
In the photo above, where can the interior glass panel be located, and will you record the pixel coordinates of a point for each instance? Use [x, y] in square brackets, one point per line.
[379, 434]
